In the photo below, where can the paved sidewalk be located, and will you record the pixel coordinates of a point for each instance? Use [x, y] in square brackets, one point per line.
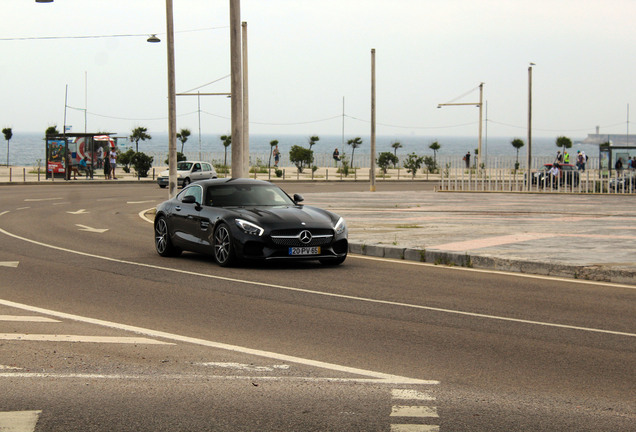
[579, 236]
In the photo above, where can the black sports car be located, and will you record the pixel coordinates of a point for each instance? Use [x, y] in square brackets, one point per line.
[247, 219]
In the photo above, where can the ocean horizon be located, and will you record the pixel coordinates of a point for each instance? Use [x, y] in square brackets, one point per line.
[25, 149]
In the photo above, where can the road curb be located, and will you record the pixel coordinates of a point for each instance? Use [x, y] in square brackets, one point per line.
[452, 259]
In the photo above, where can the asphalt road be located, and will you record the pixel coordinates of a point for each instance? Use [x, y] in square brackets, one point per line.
[99, 333]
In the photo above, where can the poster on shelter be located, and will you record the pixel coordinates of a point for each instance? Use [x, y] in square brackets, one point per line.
[55, 156]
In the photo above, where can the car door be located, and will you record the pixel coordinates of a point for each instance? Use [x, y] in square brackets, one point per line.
[196, 172]
[187, 217]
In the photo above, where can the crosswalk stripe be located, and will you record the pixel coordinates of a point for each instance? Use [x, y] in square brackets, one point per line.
[413, 411]
[414, 428]
[407, 394]
[79, 338]
[19, 421]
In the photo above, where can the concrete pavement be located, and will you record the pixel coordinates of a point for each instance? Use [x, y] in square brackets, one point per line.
[577, 236]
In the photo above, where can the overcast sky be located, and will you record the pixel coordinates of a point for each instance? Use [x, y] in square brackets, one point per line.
[305, 56]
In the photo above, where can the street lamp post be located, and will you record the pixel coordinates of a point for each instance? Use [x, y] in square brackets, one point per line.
[529, 155]
[372, 170]
[480, 105]
[172, 105]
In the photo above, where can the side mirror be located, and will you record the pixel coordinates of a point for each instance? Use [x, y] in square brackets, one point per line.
[298, 198]
[191, 199]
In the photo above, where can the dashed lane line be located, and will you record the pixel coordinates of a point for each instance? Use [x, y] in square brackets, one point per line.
[80, 338]
[17, 318]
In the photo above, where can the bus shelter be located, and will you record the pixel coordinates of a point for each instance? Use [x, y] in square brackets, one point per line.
[64, 152]
[610, 154]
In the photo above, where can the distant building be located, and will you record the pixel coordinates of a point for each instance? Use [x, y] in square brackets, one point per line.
[614, 139]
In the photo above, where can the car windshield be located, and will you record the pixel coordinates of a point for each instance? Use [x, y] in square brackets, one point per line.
[184, 166]
[246, 196]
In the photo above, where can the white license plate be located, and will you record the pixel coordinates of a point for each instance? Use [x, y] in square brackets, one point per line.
[304, 250]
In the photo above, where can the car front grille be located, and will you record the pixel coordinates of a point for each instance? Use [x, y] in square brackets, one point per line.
[293, 238]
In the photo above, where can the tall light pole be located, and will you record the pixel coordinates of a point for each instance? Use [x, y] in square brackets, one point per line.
[480, 105]
[372, 172]
[246, 113]
[172, 105]
[529, 155]
[237, 89]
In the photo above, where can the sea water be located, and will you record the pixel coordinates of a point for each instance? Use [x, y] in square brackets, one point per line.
[26, 149]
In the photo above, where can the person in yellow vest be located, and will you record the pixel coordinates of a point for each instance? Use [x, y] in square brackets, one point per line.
[566, 157]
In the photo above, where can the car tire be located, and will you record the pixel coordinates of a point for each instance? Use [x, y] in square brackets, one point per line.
[333, 262]
[162, 186]
[163, 244]
[223, 248]
[186, 181]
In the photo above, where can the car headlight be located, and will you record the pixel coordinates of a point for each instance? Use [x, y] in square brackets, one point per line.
[249, 227]
[340, 226]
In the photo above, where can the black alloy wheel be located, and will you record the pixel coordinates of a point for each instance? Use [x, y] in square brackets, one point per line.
[223, 250]
[163, 245]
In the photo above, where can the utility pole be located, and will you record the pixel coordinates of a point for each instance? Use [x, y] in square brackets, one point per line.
[529, 160]
[172, 105]
[372, 173]
[237, 90]
[246, 113]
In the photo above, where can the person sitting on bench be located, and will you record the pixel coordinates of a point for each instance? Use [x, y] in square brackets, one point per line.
[85, 167]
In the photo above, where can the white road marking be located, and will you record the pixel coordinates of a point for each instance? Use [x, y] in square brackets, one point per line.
[17, 318]
[142, 214]
[414, 428]
[377, 377]
[5, 367]
[325, 294]
[4, 213]
[140, 202]
[413, 411]
[9, 263]
[410, 395]
[19, 421]
[195, 377]
[244, 367]
[80, 211]
[80, 338]
[90, 229]
[41, 199]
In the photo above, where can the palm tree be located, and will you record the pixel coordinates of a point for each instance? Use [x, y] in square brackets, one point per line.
[8, 134]
[313, 140]
[139, 134]
[227, 141]
[354, 143]
[435, 146]
[272, 144]
[183, 137]
[517, 143]
[396, 145]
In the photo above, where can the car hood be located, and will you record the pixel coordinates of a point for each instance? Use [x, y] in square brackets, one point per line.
[288, 216]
